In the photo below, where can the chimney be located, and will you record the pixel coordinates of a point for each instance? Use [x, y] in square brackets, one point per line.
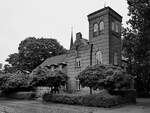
[78, 35]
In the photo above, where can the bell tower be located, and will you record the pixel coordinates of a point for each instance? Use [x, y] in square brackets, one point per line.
[105, 35]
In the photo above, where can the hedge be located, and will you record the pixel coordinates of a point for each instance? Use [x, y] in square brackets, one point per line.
[22, 95]
[102, 99]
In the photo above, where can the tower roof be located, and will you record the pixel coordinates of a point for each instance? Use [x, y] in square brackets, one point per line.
[103, 10]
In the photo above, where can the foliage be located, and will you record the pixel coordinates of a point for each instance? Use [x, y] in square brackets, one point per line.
[119, 80]
[104, 76]
[57, 78]
[9, 69]
[16, 82]
[136, 43]
[90, 76]
[102, 99]
[3, 79]
[32, 52]
[39, 76]
[42, 76]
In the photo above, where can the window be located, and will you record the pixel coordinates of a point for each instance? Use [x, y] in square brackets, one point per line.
[77, 63]
[101, 26]
[113, 26]
[77, 84]
[115, 58]
[96, 27]
[95, 30]
[60, 67]
[117, 28]
[99, 57]
[52, 68]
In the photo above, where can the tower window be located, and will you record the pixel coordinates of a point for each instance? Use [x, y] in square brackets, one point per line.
[113, 26]
[101, 26]
[95, 29]
[99, 57]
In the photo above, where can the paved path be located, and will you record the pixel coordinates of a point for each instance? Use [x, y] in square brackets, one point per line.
[23, 106]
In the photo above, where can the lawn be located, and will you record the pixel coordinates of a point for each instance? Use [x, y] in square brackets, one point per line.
[24, 106]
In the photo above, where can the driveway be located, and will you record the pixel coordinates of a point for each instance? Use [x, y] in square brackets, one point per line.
[24, 106]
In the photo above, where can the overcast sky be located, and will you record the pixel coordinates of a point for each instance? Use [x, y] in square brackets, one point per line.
[48, 18]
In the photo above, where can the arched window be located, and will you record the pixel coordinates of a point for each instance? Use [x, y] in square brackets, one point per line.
[115, 58]
[95, 30]
[99, 57]
[96, 27]
[101, 26]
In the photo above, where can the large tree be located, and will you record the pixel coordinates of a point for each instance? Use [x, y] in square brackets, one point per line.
[137, 43]
[33, 51]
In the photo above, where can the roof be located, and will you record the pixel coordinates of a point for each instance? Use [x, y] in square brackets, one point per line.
[55, 60]
[105, 8]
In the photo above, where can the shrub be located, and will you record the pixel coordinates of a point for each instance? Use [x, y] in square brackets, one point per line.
[22, 95]
[102, 99]
[16, 82]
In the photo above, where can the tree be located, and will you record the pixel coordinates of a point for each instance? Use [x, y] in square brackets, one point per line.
[104, 77]
[129, 48]
[57, 79]
[39, 76]
[139, 38]
[42, 76]
[32, 52]
[90, 76]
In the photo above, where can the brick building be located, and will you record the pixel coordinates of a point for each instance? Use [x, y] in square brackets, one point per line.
[103, 46]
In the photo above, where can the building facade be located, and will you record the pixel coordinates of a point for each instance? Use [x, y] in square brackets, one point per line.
[103, 46]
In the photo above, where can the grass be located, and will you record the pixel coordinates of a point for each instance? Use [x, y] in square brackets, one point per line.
[23, 106]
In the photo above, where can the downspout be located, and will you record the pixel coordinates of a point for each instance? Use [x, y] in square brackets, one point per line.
[91, 51]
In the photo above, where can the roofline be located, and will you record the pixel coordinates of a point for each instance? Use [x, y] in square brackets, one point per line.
[103, 10]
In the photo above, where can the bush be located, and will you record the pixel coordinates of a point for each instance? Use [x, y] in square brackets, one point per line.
[16, 82]
[102, 99]
[22, 95]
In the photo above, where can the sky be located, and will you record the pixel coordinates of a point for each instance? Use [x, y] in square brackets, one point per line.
[20, 19]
